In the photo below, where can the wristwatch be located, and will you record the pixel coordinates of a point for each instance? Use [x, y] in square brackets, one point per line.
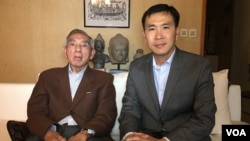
[90, 132]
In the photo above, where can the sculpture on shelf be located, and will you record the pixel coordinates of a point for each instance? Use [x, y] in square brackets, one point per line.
[100, 58]
[118, 49]
[139, 53]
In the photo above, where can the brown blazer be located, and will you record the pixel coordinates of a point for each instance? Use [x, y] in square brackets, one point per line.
[93, 106]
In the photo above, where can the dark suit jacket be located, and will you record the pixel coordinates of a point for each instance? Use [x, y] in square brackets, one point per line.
[93, 107]
[188, 108]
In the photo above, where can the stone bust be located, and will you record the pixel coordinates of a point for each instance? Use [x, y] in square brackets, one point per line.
[118, 49]
[100, 58]
[139, 53]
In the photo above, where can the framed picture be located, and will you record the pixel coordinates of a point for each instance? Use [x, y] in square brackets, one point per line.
[106, 13]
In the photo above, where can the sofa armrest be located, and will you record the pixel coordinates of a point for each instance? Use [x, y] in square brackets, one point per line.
[234, 97]
[14, 98]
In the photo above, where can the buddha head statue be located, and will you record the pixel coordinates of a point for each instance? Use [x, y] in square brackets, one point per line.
[118, 49]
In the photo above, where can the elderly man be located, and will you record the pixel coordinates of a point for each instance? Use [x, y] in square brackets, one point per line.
[75, 102]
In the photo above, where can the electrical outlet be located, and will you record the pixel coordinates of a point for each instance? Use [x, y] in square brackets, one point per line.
[192, 32]
[184, 33]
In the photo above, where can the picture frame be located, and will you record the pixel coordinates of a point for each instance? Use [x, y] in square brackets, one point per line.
[107, 13]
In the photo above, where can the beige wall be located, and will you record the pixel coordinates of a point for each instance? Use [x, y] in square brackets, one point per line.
[33, 32]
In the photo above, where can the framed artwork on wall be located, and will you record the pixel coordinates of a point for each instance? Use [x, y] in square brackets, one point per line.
[107, 13]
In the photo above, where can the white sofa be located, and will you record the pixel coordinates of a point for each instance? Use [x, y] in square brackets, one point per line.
[14, 97]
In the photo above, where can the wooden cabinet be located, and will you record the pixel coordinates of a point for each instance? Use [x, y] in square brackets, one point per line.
[214, 61]
[245, 106]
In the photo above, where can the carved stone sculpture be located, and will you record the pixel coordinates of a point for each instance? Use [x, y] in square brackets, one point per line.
[100, 58]
[139, 53]
[118, 49]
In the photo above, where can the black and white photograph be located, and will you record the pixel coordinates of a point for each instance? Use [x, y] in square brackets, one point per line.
[106, 13]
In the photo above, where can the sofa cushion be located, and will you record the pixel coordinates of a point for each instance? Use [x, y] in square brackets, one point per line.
[222, 115]
[120, 80]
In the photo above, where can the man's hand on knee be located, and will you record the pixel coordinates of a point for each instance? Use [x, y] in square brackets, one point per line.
[53, 136]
